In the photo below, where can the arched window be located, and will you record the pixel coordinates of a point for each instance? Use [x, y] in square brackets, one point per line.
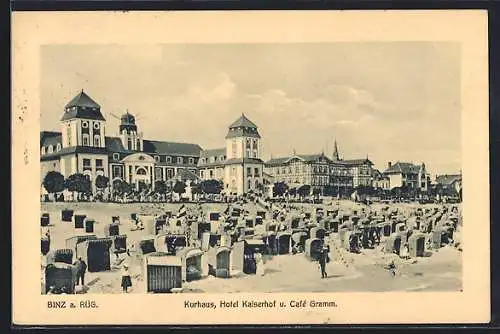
[138, 144]
[249, 184]
[43, 150]
[255, 146]
[234, 148]
[68, 134]
[97, 141]
[85, 139]
[141, 171]
[50, 149]
[248, 144]
[129, 144]
[58, 147]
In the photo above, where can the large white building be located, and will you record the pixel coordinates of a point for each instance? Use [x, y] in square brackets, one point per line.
[83, 146]
[238, 165]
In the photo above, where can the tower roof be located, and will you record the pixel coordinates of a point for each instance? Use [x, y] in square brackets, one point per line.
[85, 108]
[244, 122]
[242, 127]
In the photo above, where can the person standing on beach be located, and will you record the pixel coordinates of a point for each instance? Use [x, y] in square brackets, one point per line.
[322, 262]
[126, 280]
[81, 268]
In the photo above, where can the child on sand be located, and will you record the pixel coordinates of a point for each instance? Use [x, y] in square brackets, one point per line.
[126, 280]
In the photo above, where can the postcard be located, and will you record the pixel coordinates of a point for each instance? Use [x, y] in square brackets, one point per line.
[295, 167]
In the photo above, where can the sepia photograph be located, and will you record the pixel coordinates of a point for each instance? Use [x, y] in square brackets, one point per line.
[175, 169]
[306, 170]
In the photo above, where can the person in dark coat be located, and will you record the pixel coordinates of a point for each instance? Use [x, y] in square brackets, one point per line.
[323, 259]
[81, 268]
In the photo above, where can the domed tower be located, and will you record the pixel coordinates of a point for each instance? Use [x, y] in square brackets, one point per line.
[131, 139]
[82, 123]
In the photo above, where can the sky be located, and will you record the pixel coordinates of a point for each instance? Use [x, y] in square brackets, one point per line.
[390, 101]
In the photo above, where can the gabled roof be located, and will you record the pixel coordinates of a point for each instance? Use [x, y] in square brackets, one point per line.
[403, 167]
[356, 162]
[243, 121]
[303, 157]
[114, 144]
[74, 149]
[50, 138]
[243, 161]
[171, 148]
[215, 152]
[82, 106]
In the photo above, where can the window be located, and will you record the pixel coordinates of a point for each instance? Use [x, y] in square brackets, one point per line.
[158, 173]
[68, 134]
[97, 141]
[221, 158]
[116, 156]
[157, 158]
[170, 173]
[202, 160]
[87, 176]
[141, 171]
[248, 153]
[179, 160]
[98, 163]
[96, 125]
[233, 171]
[249, 171]
[117, 172]
[191, 161]
[201, 174]
[85, 138]
[58, 147]
[85, 124]
[422, 185]
[169, 159]
[234, 148]
[249, 184]
[211, 173]
[256, 172]
[138, 147]
[43, 150]
[255, 144]
[248, 146]
[86, 163]
[50, 149]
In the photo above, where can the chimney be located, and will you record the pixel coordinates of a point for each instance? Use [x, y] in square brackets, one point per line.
[389, 164]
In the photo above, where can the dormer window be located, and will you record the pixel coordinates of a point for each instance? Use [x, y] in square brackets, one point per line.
[202, 160]
[179, 160]
[221, 158]
[169, 159]
[157, 158]
[50, 149]
[116, 156]
[58, 147]
[85, 140]
[96, 125]
[97, 141]
[85, 124]
[43, 150]
[191, 161]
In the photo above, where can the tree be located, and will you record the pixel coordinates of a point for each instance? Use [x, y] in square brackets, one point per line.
[304, 190]
[101, 182]
[78, 183]
[317, 191]
[211, 186]
[180, 187]
[292, 192]
[160, 187]
[53, 182]
[279, 189]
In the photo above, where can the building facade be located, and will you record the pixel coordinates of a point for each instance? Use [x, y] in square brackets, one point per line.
[405, 174]
[83, 147]
[238, 165]
[320, 171]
